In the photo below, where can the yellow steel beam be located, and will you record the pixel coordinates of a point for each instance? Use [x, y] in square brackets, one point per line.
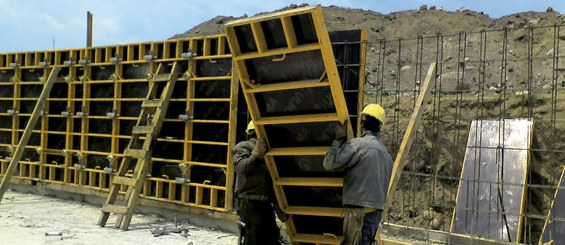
[314, 211]
[310, 181]
[323, 117]
[287, 86]
[298, 151]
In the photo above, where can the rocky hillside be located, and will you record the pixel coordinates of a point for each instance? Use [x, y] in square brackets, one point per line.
[431, 21]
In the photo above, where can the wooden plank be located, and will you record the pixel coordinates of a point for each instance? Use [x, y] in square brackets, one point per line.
[108, 208]
[410, 135]
[151, 103]
[135, 153]
[36, 114]
[142, 130]
[119, 180]
[552, 229]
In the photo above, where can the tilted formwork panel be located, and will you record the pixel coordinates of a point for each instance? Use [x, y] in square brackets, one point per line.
[91, 112]
[349, 49]
[291, 84]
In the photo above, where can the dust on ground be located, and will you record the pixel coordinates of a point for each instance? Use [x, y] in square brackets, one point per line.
[26, 218]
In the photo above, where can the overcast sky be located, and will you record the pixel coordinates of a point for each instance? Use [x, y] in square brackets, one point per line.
[33, 24]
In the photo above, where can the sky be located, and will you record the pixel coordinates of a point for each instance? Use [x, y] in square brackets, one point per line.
[30, 25]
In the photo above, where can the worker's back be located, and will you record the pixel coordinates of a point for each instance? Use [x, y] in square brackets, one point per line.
[368, 174]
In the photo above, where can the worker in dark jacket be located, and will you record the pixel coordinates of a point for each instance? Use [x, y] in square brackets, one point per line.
[367, 170]
[254, 191]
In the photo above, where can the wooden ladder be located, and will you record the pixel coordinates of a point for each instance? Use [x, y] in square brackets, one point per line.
[35, 115]
[153, 111]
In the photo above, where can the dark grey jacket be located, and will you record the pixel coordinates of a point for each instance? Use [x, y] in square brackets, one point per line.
[253, 181]
[367, 167]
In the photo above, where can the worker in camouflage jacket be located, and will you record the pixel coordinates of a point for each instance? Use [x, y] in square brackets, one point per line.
[367, 168]
[254, 191]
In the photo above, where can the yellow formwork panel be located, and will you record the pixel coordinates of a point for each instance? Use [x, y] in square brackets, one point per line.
[89, 115]
[290, 81]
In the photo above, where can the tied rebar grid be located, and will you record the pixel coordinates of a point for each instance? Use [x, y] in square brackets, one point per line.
[491, 75]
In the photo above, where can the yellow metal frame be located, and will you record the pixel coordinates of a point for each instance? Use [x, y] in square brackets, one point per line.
[80, 64]
[333, 81]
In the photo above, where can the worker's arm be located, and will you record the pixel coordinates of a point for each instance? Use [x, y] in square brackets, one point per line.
[340, 156]
[244, 161]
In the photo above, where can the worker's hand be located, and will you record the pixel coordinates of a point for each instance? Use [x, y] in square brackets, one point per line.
[341, 132]
[260, 147]
[284, 217]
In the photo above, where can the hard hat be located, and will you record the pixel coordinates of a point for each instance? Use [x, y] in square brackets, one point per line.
[375, 111]
[250, 127]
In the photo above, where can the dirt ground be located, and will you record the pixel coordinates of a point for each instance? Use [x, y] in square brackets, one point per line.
[26, 218]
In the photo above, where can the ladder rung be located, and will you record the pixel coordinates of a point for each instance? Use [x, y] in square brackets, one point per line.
[298, 151]
[151, 103]
[323, 117]
[562, 37]
[314, 211]
[135, 153]
[560, 69]
[162, 77]
[115, 209]
[119, 180]
[294, 181]
[317, 239]
[142, 129]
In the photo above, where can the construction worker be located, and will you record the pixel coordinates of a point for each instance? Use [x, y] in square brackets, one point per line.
[254, 191]
[367, 168]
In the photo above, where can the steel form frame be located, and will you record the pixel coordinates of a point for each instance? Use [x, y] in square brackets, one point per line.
[324, 46]
[78, 64]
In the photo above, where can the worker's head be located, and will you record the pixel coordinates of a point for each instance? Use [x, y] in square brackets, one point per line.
[372, 118]
[250, 128]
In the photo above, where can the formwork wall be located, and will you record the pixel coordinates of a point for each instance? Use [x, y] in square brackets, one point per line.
[77, 139]
[92, 108]
[491, 74]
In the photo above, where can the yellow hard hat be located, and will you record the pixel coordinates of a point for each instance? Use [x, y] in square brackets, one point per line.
[250, 127]
[375, 111]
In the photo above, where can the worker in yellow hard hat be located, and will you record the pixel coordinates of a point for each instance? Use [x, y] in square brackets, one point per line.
[367, 168]
[254, 192]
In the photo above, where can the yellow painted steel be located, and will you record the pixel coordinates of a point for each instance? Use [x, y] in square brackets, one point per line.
[76, 156]
[323, 45]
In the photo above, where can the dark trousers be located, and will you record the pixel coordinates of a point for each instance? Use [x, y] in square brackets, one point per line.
[371, 223]
[260, 225]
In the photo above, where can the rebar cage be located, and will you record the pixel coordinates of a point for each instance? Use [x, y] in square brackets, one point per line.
[495, 75]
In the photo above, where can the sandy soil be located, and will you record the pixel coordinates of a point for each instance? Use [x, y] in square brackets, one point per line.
[26, 218]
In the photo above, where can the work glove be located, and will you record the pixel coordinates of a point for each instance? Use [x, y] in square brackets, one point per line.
[260, 147]
[340, 131]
